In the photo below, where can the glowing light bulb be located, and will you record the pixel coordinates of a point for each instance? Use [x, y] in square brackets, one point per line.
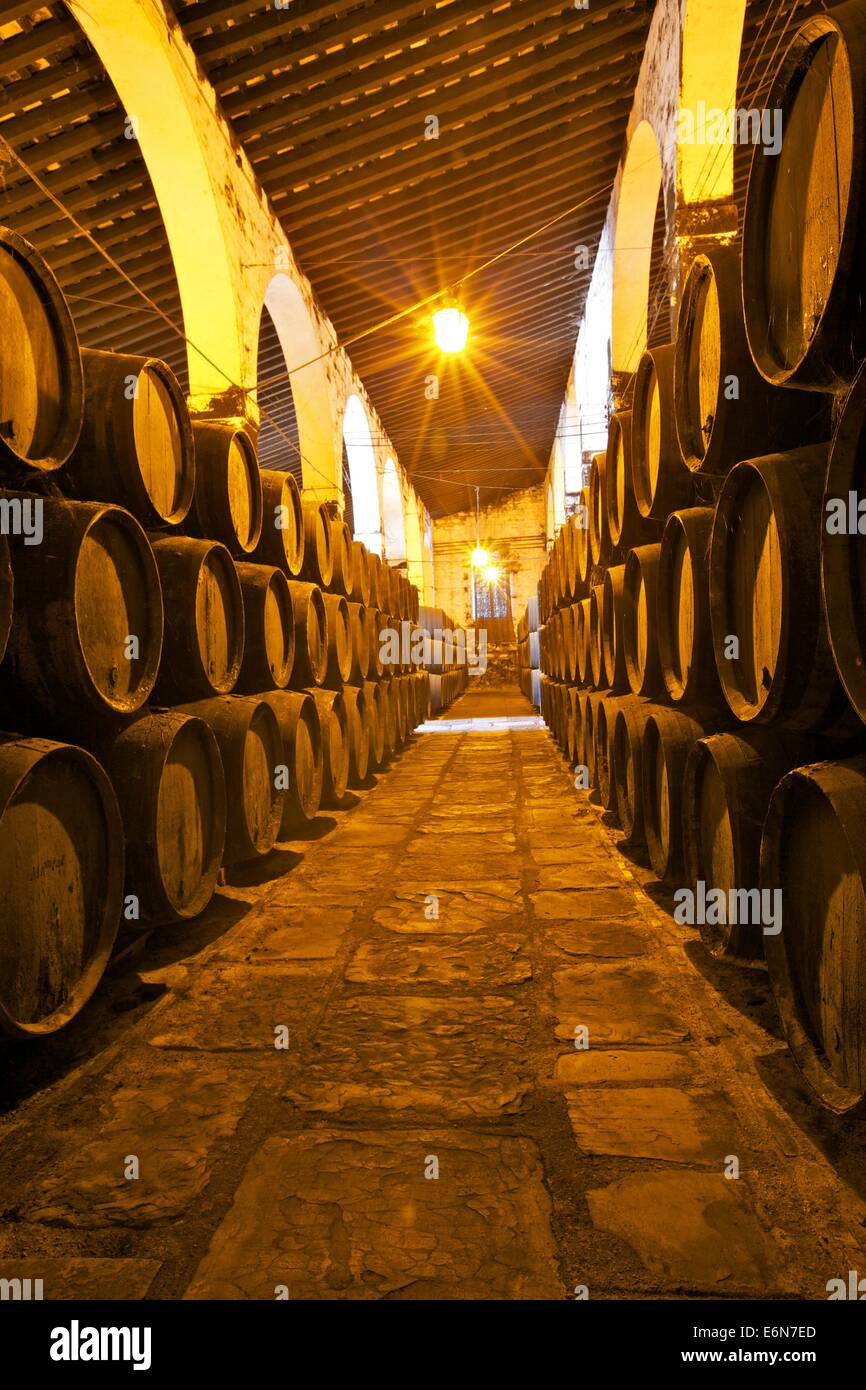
[491, 574]
[480, 557]
[450, 329]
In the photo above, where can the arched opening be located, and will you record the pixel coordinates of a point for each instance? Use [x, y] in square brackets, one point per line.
[428, 590]
[551, 524]
[557, 477]
[392, 515]
[414, 544]
[712, 38]
[632, 253]
[361, 457]
[279, 443]
[321, 465]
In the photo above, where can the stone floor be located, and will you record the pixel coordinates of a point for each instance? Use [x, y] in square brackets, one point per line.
[357, 1076]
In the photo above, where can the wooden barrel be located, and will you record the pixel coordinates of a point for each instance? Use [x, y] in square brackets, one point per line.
[582, 551]
[374, 569]
[167, 772]
[581, 642]
[343, 554]
[204, 619]
[574, 719]
[625, 525]
[605, 730]
[599, 536]
[639, 620]
[248, 736]
[596, 646]
[804, 255]
[335, 744]
[842, 528]
[569, 641]
[612, 612]
[724, 409]
[377, 621]
[282, 539]
[80, 597]
[269, 629]
[814, 852]
[339, 665]
[311, 634]
[629, 725]
[389, 715]
[404, 721]
[318, 557]
[300, 728]
[727, 786]
[375, 722]
[41, 382]
[136, 443]
[668, 737]
[228, 502]
[358, 728]
[7, 594]
[61, 882]
[359, 629]
[660, 479]
[591, 702]
[765, 590]
[361, 581]
[683, 628]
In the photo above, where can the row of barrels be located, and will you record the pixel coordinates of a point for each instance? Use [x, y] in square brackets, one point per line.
[766, 830]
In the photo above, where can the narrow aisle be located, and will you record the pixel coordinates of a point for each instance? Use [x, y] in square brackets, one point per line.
[368, 1086]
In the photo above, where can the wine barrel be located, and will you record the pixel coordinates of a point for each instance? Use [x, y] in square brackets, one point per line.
[7, 592]
[660, 479]
[377, 621]
[591, 703]
[574, 719]
[625, 525]
[339, 648]
[358, 727]
[685, 640]
[301, 732]
[596, 646]
[41, 381]
[343, 554]
[167, 773]
[361, 581]
[604, 731]
[628, 735]
[204, 619]
[389, 715]
[335, 744]
[375, 722]
[581, 642]
[374, 569]
[569, 643]
[61, 882]
[725, 411]
[311, 634]
[248, 737]
[359, 627]
[599, 536]
[639, 620]
[765, 590]
[668, 737]
[81, 596]
[228, 501]
[404, 724]
[281, 542]
[728, 782]
[318, 557]
[136, 443]
[814, 851]
[612, 612]
[269, 629]
[842, 530]
[582, 550]
[804, 252]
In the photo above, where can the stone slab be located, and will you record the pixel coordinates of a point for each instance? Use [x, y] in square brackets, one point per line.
[237, 1010]
[659, 1122]
[618, 1003]
[479, 962]
[606, 1066]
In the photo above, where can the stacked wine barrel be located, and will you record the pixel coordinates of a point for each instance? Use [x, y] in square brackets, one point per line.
[529, 653]
[704, 633]
[191, 652]
[446, 657]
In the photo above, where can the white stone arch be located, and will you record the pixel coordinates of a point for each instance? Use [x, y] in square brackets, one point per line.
[414, 542]
[322, 465]
[394, 524]
[361, 454]
[557, 479]
[632, 250]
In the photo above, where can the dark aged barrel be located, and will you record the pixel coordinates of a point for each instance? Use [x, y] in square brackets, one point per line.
[358, 728]
[389, 715]
[361, 582]
[581, 642]
[204, 619]
[7, 591]
[41, 383]
[269, 629]
[728, 782]
[668, 737]
[590, 748]
[628, 734]
[582, 554]
[136, 442]
[282, 539]
[574, 715]
[359, 628]
[374, 569]
[311, 634]
[685, 643]
[335, 744]
[613, 608]
[599, 536]
[339, 647]
[228, 504]
[375, 723]
[661, 481]
[804, 252]
[843, 528]
[724, 409]
[61, 882]
[377, 622]
[765, 590]
[639, 620]
[167, 772]
[605, 730]
[303, 752]
[814, 851]
[318, 557]
[248, 736]
[625, 524]
[87, 625]
[342, 552]
[404, 723]
[596, 646]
